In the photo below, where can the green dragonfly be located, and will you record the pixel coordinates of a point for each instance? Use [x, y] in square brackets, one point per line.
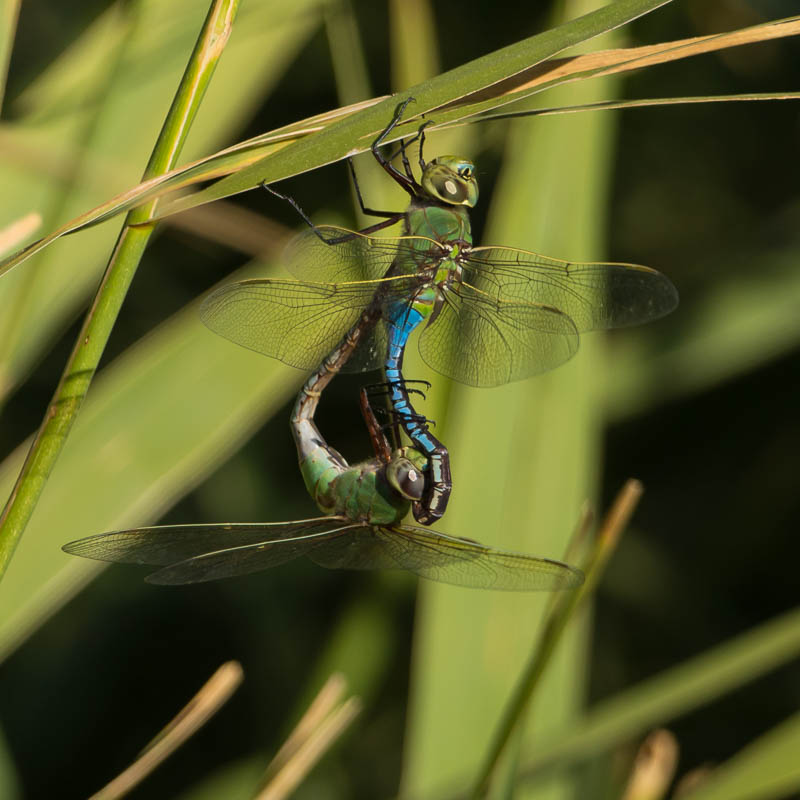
[364, 506]
[491, 314]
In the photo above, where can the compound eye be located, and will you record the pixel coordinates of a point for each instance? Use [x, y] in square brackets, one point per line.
[406, 479]
[450, 190]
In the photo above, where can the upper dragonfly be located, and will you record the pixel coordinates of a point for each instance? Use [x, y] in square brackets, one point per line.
[492, 314]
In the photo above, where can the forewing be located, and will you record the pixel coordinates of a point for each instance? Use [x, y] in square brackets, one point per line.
[166, 544]
[484, 341]
[298, 323]
[596, 296]
[350, 256]
[449, 559]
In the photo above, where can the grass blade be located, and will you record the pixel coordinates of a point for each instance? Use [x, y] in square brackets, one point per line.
[100, 320]
[554, 626]
[498, 79]
[469, 649]
[666, 696]
[135, 451]
[323, 723]
[354, 134]
[765, 769]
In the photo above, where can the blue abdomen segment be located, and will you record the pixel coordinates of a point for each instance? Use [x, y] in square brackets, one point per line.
[402, 319]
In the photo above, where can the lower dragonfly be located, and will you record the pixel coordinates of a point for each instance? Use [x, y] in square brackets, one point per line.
[491, 315]
[364, 506]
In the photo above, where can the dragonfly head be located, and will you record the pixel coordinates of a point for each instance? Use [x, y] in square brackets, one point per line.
[451, 180]
[405, 473]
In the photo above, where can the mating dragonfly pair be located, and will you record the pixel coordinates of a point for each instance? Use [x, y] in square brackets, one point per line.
[491, 315]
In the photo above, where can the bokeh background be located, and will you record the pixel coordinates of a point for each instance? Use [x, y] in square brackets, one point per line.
[701, 406]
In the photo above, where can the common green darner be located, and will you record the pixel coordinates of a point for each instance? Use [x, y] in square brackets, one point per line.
[492, 314]
[362, 528]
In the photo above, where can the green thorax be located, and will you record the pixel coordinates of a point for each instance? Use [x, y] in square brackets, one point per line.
[440, 211]
[372, 492]
[446, 224]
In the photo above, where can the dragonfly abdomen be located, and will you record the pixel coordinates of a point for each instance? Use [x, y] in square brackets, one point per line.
[416, 426]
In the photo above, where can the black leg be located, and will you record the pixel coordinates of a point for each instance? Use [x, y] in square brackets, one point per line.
[293, 203]
[392, 416]
[404, 155]
[381, 389]
[406, 181]
[369, 211]
[421, 134]
[396, 217]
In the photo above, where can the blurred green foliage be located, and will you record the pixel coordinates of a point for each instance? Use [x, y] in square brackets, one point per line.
[700, 406]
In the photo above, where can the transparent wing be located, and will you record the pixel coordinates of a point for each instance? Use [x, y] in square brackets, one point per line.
[298, 323]
[196, 553]
[165, 544]
[247, 558]
[482, 341]
[443, 558]
[351, 256]
[596, 296]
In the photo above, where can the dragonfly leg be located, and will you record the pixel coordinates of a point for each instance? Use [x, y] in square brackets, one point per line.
[317, 232]
[379, 441]
[395, 417]
[421, 135]
[385, 387]
[296, 206]
[394, 215]
[393, 426]
[406, 143]
[407, 181]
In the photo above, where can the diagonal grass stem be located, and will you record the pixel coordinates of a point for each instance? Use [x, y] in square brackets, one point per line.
[101, 317]
[555, 624]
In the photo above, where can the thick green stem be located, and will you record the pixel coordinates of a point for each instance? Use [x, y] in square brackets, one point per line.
[79, 371]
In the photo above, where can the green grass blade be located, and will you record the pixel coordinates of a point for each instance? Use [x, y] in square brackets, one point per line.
[249, 155]
[78, 140]
[353, 134]
[508, 492]
[559, 615]
[135, 451]
[658, 700]
[321, 140]
[766, 769]
[100, 320]
[609, 62]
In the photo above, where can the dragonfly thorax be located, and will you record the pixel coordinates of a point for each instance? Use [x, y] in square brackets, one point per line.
[451, 180]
